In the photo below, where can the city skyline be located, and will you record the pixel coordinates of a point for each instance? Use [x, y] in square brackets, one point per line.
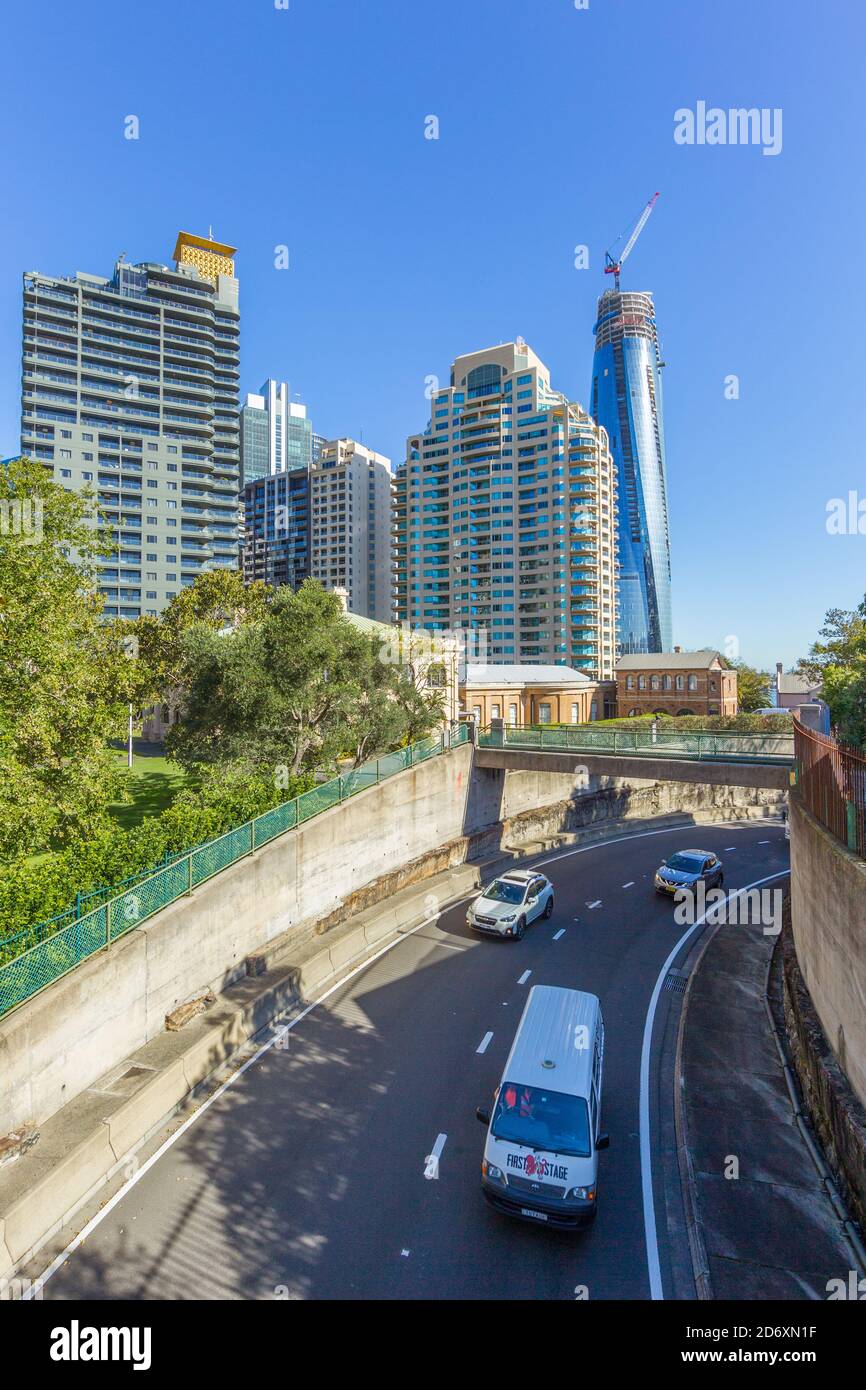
[731, 294]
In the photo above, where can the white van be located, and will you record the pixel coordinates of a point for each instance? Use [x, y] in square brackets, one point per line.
[543, 1140]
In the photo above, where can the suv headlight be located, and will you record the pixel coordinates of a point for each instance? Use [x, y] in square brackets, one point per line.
[511, 918]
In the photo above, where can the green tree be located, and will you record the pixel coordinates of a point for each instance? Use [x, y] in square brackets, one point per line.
[838, 662]
[218, 599]
[63, 675]
[753, 687]
[299, 689]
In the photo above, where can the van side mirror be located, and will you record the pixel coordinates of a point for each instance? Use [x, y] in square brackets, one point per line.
[483, 1114]
[603, 1141]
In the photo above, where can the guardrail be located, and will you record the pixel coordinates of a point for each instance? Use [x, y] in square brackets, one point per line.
[26, 972]
[831, 780]
[642, 742]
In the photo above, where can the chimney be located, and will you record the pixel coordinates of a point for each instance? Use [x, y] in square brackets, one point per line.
[778, 668]
[677, 649]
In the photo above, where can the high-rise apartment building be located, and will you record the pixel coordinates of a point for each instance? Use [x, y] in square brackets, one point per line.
[626, 398]
[350, 529]
[277, 528]
[130, 388]
[505, 517]
[275, 433]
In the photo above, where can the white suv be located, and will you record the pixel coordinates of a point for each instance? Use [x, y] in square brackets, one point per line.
[511, 903]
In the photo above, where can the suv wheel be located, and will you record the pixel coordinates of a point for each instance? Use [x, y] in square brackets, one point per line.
[521, 929]
[548, 911]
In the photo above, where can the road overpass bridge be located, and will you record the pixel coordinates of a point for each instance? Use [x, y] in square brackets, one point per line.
[721, 759]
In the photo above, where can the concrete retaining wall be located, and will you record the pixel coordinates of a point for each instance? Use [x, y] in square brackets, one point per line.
[59, 1042]
[828, 918]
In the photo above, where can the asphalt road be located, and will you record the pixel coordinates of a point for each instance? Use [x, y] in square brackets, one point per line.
[305, 1178]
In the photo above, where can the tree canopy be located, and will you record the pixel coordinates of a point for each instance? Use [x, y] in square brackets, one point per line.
[838, 661]
[63, 675]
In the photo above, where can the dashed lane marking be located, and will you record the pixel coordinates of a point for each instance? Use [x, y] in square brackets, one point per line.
[524, 977]
[484, 1043]
[558, 934]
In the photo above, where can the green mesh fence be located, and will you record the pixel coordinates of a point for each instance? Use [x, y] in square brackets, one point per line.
[72, 942]
[732, 747]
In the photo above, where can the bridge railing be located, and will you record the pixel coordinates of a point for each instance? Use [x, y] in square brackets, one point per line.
[697, 744]
[831, 780]
[26, 968]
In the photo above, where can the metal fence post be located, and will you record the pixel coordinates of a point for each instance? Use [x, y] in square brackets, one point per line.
[108, 923]
[188, 874]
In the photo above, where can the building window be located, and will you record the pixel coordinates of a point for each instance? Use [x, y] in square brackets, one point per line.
[544, 713]
[668, 683]
[641, 682]
[693, 682]
[656, 683]
[681, 682]
[593, 710]
[476, 712]
[512, 714]
[495, 711]
[629, 682]
[436, 676]
[575, 710]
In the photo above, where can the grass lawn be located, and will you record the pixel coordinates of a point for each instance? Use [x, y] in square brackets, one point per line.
[153, 783]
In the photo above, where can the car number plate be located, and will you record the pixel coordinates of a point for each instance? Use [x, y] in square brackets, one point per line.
[538, 1215]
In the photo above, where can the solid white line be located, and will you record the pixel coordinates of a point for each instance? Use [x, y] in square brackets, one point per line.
[630, 884]
[484, 1043]
[649, 1215]
[524, 977]
[558, 934]
[95, 1221]
[597, 903]
[56, 1264]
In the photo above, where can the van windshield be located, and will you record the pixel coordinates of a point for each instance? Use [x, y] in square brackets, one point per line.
[542, 1119]
[502, 892]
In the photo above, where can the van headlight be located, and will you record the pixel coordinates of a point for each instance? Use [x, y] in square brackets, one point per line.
[585, 1194]
[489, 1170]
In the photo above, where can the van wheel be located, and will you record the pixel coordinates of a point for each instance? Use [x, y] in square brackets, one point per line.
[521, 929]
[548, 911]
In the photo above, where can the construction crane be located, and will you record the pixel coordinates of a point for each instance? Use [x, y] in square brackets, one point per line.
[613, 267]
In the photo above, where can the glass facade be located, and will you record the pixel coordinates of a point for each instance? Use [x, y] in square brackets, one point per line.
[275, 433]
[626, 399]
[277, 528]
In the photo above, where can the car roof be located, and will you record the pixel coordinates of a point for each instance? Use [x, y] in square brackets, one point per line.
[521, 875]
[546, 1033]
[700, 852]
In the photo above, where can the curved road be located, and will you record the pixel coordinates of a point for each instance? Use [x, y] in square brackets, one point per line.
[305, 1177]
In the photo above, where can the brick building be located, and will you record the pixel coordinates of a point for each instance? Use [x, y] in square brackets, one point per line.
[675, 682]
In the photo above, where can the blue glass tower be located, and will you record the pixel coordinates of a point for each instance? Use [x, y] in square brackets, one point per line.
[626, 398]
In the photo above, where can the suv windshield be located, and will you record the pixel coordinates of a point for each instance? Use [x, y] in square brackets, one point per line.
[685, 863]
[542, 1119]
[502, 892]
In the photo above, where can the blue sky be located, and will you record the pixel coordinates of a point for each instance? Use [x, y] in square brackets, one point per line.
[305, 127]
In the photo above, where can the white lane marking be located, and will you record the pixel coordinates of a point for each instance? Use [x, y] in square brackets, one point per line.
[597, 903]
[524, 977]
[431, 1162]
[646, 1177]
[763, 842]
[630, 884]
[558, 934]
[38, 1284]
[483, 1045]
[728, 849]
